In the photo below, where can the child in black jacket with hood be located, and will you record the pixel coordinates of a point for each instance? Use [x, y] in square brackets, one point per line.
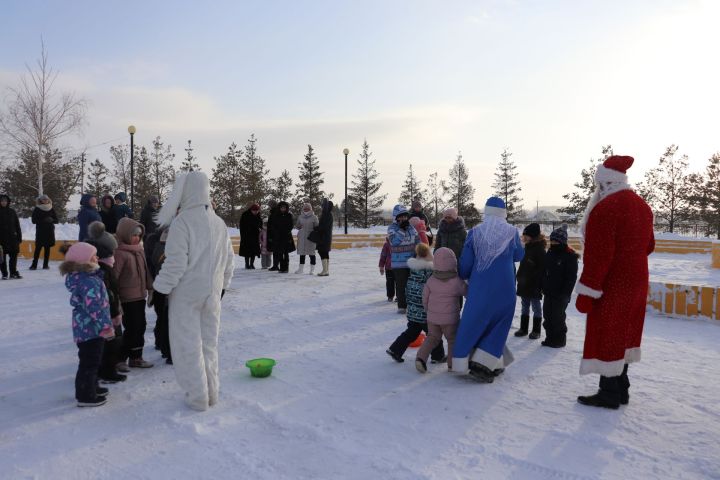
[561, 267]
[529, 280]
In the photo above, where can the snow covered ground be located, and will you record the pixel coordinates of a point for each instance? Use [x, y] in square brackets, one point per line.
[337, 406]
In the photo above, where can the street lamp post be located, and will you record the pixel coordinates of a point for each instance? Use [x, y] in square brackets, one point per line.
[346, 152]
[131, 131]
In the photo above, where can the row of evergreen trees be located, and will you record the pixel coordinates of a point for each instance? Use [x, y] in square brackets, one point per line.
[677, 196]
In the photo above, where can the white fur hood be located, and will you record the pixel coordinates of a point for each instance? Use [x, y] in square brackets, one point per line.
[420, 264]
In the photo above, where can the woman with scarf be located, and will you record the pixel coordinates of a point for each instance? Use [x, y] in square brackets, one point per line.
[44, 218]
[306, 223]
[488, 263]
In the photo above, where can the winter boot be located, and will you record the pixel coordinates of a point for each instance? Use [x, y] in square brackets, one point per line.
[624, 383]
[607, 397]
[93, 403]
[300, 270]
[420, 365]
[312, 270]
[395, 356]
[481, 373]
[16, 276]
[326, 268]
[101, 391]
[535, 334]
[122, 367]
[33, 266]
[139, 363]
[523, 330]
[113, 378]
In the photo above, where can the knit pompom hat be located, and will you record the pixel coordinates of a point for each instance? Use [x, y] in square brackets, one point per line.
[80, 252]
[560, 235]
[97, 233]
[451, 212]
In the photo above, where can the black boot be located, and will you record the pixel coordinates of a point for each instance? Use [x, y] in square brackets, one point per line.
[624, 382]
[481, 373]
[247, 263]
[524, 321]
[607, 397]
[535, 334]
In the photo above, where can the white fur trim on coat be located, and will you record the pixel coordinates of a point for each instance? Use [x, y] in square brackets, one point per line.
[608, 175]
[608, 369]
[419, 264]
[582, 289]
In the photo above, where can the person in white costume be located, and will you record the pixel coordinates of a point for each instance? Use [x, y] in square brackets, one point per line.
[197, 269]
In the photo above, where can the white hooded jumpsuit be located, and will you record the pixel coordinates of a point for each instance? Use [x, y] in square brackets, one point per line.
[198, 266]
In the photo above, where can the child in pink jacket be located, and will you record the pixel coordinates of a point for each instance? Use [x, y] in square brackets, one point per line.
[386, 269]
[442, 299]
[421, 228]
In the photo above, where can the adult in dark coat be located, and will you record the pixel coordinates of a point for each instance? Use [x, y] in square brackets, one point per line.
[10, 238]
[44, 218]
[271, 221]
[107, 214]
[250, 226]
[148, 215]
[88, 213]
[561, 268]
[451, 232]
[324, 237]
[529, 280]
[282, 239]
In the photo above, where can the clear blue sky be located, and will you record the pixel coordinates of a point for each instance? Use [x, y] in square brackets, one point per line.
[421, 80]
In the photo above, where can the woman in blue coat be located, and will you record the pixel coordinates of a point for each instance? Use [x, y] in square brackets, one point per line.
[488, 263]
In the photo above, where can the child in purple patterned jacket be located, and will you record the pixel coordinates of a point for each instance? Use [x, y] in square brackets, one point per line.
[90, 319]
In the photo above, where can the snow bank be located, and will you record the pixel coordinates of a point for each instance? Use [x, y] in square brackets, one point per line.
[337, 407]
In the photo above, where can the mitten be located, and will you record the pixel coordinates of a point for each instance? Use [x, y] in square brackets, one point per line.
[584, 304]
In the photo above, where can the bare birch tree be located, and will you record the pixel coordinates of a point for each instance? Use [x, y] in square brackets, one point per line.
[36, 116]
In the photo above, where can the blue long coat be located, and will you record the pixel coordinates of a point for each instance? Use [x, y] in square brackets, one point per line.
[490, 306]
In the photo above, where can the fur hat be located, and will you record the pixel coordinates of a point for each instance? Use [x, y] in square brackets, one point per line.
[121, 196]
[80, 252]
[495, 207]
[614, 169]
[532, 230]
[102, 239]
[416, 205]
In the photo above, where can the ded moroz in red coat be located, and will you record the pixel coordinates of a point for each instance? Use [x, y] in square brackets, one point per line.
[618, 239]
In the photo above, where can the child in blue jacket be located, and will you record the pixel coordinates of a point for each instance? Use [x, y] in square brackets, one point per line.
[90, 319]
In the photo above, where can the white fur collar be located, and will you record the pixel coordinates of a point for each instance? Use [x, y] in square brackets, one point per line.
[419, 264]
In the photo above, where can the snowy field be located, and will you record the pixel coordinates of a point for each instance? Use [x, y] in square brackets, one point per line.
[338, 407]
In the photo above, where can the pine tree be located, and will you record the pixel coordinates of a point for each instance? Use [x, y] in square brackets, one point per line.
[461, 191]
[60, 179]
[667, 189]
[161, 163]
[97, 179]
[281, 187]
[412, 189]
[144, 180]
[578, 200]
[706, 194]
[437, 201]
[189, 163]
[120, 168]
[226, 185]
[253, 174]
[309, 189]
[364, 201]
[507, 185]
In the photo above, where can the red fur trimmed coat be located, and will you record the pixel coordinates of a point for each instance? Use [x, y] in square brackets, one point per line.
[618, 239]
